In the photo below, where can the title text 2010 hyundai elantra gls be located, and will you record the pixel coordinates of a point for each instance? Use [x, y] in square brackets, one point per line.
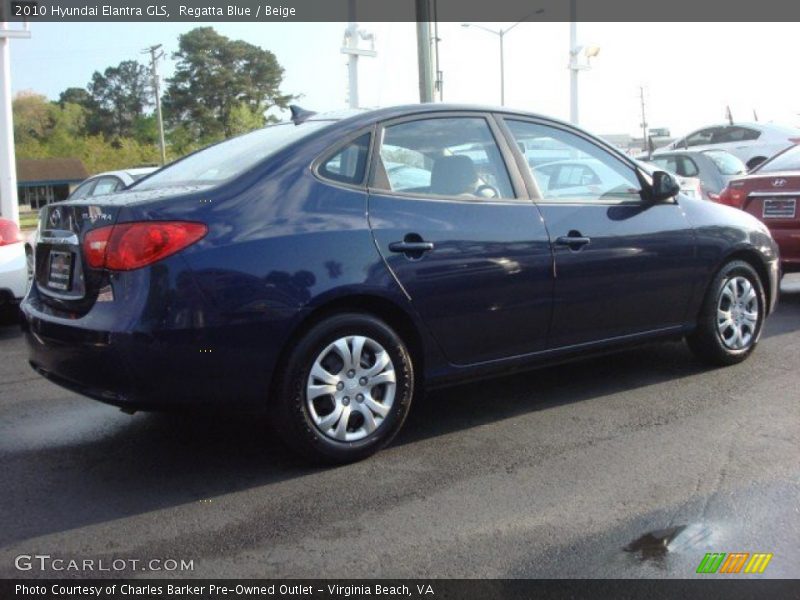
[327, 269]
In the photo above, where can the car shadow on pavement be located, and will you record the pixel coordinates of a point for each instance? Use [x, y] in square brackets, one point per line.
[112, 466]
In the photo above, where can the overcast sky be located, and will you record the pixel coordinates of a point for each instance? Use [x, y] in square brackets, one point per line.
[690, 71]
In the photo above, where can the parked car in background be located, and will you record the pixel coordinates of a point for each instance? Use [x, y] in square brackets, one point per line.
[713, 168]
[16, 265]
[110, 182]
[771, 193]
[752, 143]
[287, 271]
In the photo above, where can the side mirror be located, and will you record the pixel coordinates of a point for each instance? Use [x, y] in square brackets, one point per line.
[664, 187]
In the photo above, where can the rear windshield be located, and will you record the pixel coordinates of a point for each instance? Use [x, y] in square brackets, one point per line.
[223, 161]
[726, 163]
[787, 161]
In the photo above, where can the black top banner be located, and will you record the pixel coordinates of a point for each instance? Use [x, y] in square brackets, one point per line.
[399, 10]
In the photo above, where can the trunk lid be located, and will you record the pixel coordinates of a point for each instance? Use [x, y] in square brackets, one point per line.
[772, 198]
[62, 276]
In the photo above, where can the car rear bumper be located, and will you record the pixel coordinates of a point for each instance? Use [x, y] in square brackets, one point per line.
[788, 241]
[139, 371]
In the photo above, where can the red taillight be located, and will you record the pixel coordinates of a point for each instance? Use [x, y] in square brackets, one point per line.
[129, 246]
[9, 233]
[732, 197]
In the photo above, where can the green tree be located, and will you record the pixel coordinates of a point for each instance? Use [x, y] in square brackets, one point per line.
[219, 84]
[120, 95]
[33, 117]
[76, 95]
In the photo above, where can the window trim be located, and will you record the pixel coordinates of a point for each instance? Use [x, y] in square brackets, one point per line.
[506, 156]
[534, 191]
[340, 145]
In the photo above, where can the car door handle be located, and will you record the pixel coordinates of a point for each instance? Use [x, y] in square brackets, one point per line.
[575, 242]
[414, 247]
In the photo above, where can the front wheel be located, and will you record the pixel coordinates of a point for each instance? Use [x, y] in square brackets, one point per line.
[346, 390]
[732, 316]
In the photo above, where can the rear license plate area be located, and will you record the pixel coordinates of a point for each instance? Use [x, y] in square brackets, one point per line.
[779, 208]
[59, 275]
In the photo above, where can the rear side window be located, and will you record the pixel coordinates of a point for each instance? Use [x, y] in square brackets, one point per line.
[726, 164]
[785, 161]
[107, 185]
[349, 164]
[226, 160]
[443, 156]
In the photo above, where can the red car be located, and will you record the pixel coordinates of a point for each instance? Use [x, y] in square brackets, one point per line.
[770, 192]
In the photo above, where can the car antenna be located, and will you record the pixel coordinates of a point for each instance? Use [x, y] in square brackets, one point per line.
[300, 114]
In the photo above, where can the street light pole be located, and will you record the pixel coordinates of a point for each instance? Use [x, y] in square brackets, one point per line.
[501, 34]
[574, 64]
[9, 206]
[573, 67]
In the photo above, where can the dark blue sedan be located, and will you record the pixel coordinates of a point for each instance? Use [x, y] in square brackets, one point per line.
[328, 269]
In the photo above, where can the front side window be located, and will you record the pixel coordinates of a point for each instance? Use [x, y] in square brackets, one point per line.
[704, 136]
[567, 167]
[443, 156]
[349, 164]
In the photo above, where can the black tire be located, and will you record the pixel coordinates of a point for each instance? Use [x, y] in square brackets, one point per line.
[706, 342]
[291, 417]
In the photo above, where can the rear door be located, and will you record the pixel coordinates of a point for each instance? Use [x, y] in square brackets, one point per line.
[452, 223]
[622, 267]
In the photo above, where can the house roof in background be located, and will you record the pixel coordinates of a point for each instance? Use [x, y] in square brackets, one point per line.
[50, 170]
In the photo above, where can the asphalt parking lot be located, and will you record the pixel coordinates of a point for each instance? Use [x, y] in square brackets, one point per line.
[552, 473]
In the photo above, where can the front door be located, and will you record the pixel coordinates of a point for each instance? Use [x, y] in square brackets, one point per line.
[453, 227]
[622, 266]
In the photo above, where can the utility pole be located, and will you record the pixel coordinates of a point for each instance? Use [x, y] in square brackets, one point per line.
[9, 206]
[424, 50]
[644, 120]
[157, 91]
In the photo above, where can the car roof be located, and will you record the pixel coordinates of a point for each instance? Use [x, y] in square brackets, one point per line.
[122, 172]
[366, 116]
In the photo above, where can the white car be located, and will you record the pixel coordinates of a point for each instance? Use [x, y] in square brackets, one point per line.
[752, 143]
[566, 178]
[110, 182]
[16, 264]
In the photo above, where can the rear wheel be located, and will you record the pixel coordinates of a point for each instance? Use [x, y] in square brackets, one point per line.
[346, 390]
[732, 316]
